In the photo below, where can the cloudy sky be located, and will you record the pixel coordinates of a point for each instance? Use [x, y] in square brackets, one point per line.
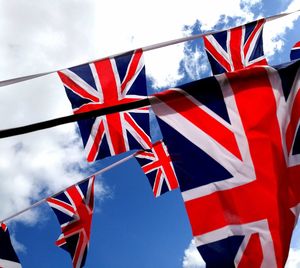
[130, 227]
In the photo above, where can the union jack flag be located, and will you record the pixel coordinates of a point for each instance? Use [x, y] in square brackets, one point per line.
[105, 83]
[238, 163]
[8, 256]
[295, 51]
[74, 211]
[236, 48]
[157, 165]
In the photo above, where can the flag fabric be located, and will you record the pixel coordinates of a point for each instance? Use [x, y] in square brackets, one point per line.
[105, 83]
[8, 256]
[295, 51]
[236, 48]
[74, 211]
[158, 167]
[235, 145]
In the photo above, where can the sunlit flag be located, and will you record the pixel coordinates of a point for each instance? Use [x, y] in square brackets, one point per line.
[74, 211]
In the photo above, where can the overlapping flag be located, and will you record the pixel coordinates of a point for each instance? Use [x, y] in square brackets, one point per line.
[158, 167]
[8, 256]
[241, 191]
[105, 83]
[236, 48]
[74, 211]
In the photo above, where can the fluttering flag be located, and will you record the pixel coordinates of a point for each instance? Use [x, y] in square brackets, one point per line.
[237, 147]
[295, 51]
[236, 48]
[105, 83]
[74, 211]
[8, 256]
[158, 167]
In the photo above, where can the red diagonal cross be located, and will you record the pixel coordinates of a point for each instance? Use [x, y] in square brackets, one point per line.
[81, 226]
[268, 196]
[110, 92]
[161, 162]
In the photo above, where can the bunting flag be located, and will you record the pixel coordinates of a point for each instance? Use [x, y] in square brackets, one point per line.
[295, 51]
[105, 83]
[235, 145]
[158, 167]
[8, 256]
[74, 211]
[236, 48]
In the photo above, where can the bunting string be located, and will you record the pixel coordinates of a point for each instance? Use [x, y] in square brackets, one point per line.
[73, 118]
[145, 48]
[36, 204]
[4, 133]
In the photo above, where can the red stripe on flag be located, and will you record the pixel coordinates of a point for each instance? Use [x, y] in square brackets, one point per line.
[61, 241]
[145, 154]
[132, 68]
[203, 121]
[259, 62]
[95, 106]
[157, 182]
[253, 247]
[77, 258]
[68, 82]
[151, 166]
[141, 133]
[59, 203]
[107, 80]
[215, 54]
[235, 45]
[257, 28]
[3, 226]
[297, 45]
[116, 133]
[92, 154]
[166, 165]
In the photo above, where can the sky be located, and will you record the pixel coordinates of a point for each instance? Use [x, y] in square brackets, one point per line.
[130, 227]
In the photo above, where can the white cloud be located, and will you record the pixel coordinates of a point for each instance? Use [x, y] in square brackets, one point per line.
[293, 6]
[192, 258]
[38, 164]
[250, 2]
[195, 63]
[162, 65]
[44, 35]
[158, 21]
[294, 258]
[275, 30]
[41, 36]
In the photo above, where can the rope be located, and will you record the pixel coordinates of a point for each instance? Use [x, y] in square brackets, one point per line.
[45, 199]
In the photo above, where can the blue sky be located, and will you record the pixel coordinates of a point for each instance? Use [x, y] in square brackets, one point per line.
[130, 227]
